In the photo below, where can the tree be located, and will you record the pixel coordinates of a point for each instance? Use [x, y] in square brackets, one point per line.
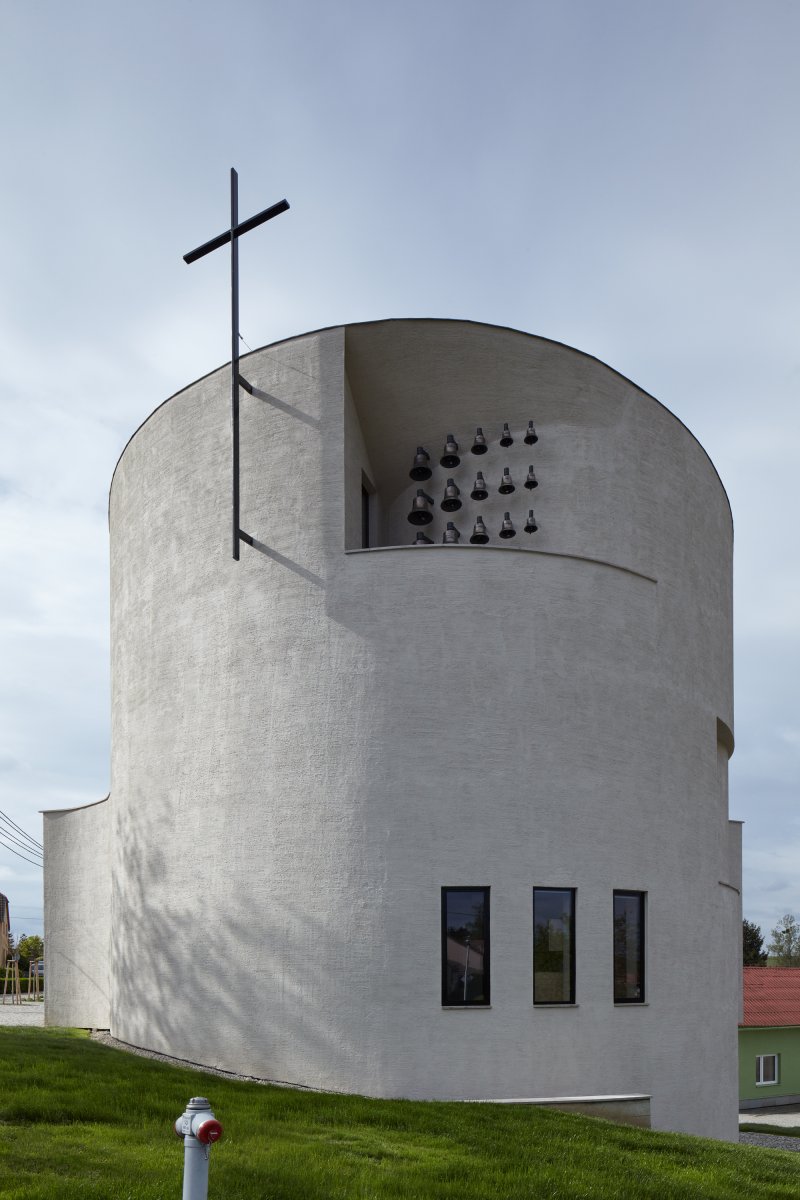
[29, 946]
[785, 944]
[753, 952]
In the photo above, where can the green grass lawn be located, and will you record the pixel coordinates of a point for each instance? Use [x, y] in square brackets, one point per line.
[762, 1127]
[81, 1120]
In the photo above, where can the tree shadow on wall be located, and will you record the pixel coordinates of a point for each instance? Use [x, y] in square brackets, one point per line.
[226, 975]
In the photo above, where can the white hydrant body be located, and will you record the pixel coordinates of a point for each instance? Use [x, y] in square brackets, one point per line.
[199, 1129]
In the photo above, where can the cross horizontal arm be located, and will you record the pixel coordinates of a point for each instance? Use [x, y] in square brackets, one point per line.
[243, 227]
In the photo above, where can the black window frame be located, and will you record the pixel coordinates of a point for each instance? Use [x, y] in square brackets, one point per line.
[573, 894]
[628, 894]
[486, 1002]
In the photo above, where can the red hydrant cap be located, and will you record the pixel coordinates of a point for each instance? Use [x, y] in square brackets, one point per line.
[208, 1132]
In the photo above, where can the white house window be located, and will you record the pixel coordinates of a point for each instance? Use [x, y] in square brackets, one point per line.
[766, 1069]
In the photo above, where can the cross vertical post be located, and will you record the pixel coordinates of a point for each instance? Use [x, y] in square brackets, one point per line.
[232, 235]
[235, 358]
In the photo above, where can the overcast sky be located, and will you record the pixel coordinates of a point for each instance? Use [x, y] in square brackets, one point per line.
[622, 176]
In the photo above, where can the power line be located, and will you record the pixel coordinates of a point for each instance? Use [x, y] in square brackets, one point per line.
[21, 837]
[5, 817]
[18, 842]
[16, 831]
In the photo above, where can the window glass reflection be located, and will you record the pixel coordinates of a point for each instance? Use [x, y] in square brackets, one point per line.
[554, 945]
[465, 946]
[628, 947]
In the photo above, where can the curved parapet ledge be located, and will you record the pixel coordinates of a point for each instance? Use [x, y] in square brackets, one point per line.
[598, 562]
[49, 812]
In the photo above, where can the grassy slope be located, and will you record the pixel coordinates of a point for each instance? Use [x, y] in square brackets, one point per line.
[762, 1127]
[80, 1120]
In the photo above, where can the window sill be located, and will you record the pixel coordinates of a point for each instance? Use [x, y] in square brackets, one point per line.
[631, 1004]
[573, 1004]
[769, 1083]
[465, 1007]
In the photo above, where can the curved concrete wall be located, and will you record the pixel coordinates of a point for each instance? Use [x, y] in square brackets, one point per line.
[309, 744]
[77, 916]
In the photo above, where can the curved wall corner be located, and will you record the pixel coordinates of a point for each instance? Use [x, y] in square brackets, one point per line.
[310, 743]
[77, 916]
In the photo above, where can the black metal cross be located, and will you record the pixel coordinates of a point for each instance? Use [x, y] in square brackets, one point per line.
[232, 235]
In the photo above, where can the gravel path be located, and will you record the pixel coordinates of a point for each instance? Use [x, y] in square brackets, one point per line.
[27, 1013]
[770, 1141]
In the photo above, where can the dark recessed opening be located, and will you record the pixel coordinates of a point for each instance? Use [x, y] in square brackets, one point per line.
[364, 517]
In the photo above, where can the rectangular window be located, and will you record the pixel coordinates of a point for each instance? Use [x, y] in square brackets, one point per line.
[629, 947]
[364, 518]
[553, 945]
[766, 1069]
[465, 946]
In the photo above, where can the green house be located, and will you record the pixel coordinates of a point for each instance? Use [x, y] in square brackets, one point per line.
[769, 1037]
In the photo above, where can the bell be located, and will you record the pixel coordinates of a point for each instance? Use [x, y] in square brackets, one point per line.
[506, 439]
[479, 446]
[480, 535]
[531, 481]
[451, 502]
[420, 469]
[451, 535]
[506, 483]
[420, 509]
[450, 455]
[531, 437]
[530, 524]
[508, 530]
[480, 490]
[422, 540]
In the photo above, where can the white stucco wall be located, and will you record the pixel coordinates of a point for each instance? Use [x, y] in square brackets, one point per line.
[309, 744]
[77, 916]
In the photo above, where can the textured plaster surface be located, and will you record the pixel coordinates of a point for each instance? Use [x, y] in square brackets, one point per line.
[77, 916]
[309, 744]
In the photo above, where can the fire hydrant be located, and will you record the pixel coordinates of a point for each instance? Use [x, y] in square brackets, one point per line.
[199, 1129]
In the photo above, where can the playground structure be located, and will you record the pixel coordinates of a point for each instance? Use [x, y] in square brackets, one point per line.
[11, 977]
[12, 981]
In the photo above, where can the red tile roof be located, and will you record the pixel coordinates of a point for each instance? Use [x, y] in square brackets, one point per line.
[771, 996]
